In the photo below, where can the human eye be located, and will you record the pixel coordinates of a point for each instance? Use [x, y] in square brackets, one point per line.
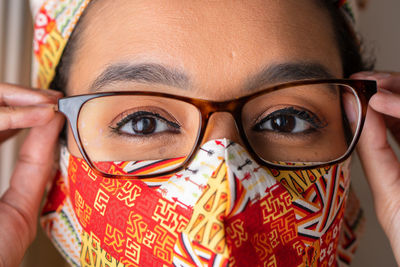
[145, 124]
[289, 120]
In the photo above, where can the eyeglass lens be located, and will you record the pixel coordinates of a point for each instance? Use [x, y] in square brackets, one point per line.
[144, 134]
[306, 124]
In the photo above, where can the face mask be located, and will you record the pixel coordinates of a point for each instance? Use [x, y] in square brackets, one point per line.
[224, 209]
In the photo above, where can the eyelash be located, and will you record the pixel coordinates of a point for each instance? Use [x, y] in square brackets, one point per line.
[301, 114]
[132, 116]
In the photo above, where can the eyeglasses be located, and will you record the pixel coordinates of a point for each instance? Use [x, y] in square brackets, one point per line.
[295, 125]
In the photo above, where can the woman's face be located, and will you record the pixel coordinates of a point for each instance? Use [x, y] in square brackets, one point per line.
[214, 50]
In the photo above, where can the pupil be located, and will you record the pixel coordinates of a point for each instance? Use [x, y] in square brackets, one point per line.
[284, 123]
[144, 125]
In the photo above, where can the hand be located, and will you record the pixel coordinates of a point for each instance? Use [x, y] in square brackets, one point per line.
[380, 163]
[19, 206]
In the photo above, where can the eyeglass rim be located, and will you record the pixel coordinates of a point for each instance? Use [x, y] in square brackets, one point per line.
[71, 107]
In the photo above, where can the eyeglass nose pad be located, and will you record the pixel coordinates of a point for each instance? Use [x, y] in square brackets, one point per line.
[222, 125]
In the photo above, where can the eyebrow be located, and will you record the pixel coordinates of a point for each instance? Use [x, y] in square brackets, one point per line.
[286, 72]
[152, 73]
[143, 73]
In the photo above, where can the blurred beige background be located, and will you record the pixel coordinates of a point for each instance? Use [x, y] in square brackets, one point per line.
[379, 24]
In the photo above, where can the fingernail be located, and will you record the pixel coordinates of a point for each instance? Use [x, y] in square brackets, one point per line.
[381, 75]
[53, 93]
[372, 75]
[363, 74]
[384, 91]
[44, 105]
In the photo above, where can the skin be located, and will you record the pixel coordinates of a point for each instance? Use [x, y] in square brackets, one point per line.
[234, 42]
[219, 44]
[380, 163]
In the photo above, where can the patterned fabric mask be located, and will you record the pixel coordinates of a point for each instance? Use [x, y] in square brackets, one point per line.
[217, 212]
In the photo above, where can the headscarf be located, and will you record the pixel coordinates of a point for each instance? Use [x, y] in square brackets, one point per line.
[54, 22]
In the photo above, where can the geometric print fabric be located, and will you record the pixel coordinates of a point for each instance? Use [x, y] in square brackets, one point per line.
[241, 210]
[54, 22]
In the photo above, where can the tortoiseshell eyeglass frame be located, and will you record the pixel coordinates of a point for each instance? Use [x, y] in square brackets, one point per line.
[363, 89]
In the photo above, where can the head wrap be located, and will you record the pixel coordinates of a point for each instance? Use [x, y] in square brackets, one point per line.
[54, 22]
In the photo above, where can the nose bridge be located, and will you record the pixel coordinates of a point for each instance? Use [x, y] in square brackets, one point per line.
[222, 124]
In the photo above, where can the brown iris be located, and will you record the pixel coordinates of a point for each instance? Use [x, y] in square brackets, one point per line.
[144, 125]
[283, 123]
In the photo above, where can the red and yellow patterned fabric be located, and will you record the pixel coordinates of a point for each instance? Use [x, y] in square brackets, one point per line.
[54, 21]
[220, 210]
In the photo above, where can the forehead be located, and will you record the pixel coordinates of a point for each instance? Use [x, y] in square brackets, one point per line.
[219, 44]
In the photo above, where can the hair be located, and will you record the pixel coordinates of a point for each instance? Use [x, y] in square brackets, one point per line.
[350, 45]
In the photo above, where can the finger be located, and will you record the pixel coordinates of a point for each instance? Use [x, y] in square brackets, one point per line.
[382, 170]
[379, 161]
[387, 80]
[377, 74]
[391, 83]
[32, 171]
[13, 95]
[386, 102]
[26, 116]
[20, 203]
